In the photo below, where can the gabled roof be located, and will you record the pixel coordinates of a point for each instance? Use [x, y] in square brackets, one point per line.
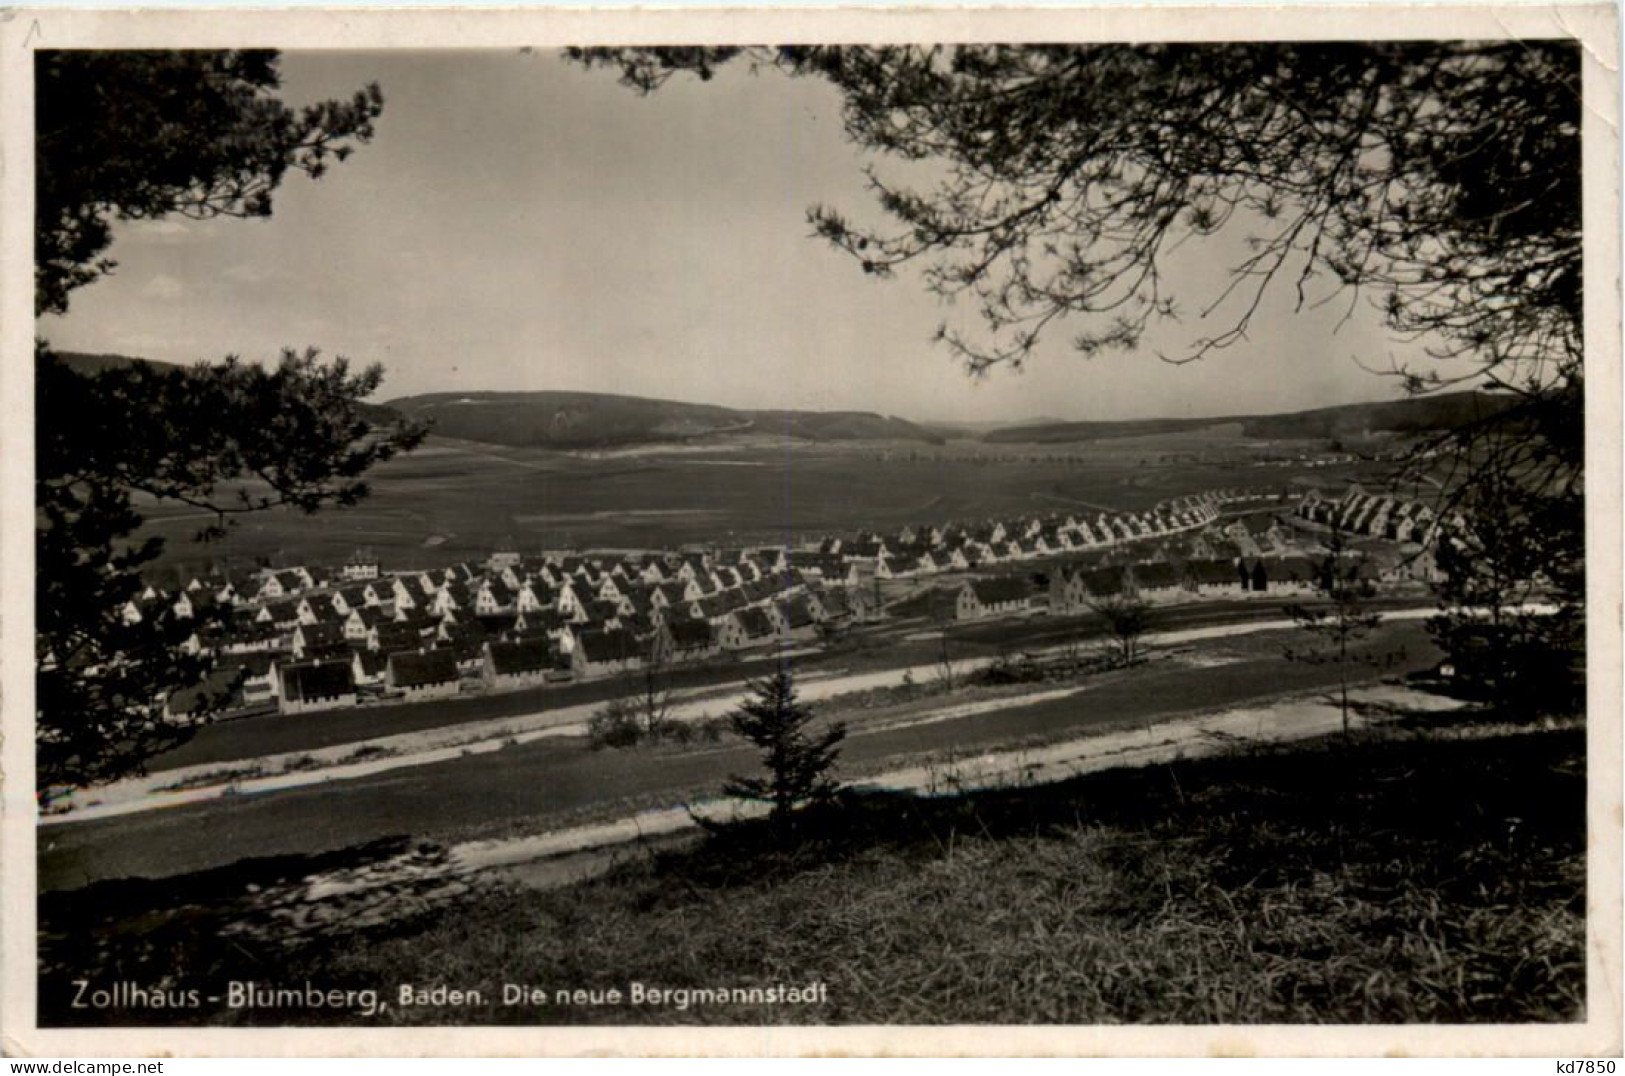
[690, 634]
[1213, 571]
[827, 563]
[796, 612]
[837, 603]
[638, 624]
[324, 633]
[522, 656]
[321, 607]
[418, 620]
[254, 663]
[398, 636]
[372, 663]
[199, 599]
[369, 615]
[491, 624]
[1000, 590]
[1157, 575]
[599, 610]
[549, 619]
[416, 668]
[250, 633]
[755, 623]
[680, 613]
[1105, 582]
[599, 646]
[317, 680]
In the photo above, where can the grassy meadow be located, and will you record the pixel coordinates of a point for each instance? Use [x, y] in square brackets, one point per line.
[455, 500]
[1416, 875]
[1386, 882]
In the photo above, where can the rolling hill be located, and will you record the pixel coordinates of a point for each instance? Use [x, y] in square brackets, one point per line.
[566, 420]
[1396, 416]
[588, 420]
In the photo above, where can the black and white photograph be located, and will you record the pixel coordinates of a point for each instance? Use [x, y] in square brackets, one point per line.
[1031, 524]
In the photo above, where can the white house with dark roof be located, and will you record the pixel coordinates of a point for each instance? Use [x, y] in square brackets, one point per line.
[999, 596]
[312, 686]
[368, 667]
[605, 653]
[518, 664]
[423, 674]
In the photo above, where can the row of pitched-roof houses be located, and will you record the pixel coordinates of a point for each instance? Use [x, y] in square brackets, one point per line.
[1074, 588]
[1376, 515]
[509, 582]
[512, 622]
[516, 621]
[931, 549]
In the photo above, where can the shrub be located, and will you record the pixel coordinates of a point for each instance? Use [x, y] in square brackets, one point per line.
[616, 725]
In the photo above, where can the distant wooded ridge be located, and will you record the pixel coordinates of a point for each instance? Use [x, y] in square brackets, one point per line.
[602, 420]
[1413, 415]
[586, 420]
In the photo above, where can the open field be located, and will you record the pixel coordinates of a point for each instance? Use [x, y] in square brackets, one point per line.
[452, 501]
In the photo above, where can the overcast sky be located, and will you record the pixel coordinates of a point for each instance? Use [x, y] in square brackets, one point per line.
[522, 223]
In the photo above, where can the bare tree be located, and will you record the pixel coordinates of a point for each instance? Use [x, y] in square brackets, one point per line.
[654, 701]
[945, 665]
[1336, 627]
[1127, 617]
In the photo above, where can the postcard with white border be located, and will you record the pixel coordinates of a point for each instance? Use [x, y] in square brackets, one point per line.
[1087, 531]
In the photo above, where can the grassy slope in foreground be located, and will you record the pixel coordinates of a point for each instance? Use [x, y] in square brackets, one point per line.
[1426, 880]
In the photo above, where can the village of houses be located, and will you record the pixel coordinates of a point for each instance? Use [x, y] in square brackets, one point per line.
[301, 639]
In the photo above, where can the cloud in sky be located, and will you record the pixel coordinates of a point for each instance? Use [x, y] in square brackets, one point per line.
[522, 223]
[165, 230]
[163, 286]
[247, 273]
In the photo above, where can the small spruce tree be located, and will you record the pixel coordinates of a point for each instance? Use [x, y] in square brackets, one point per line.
[799, 762]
